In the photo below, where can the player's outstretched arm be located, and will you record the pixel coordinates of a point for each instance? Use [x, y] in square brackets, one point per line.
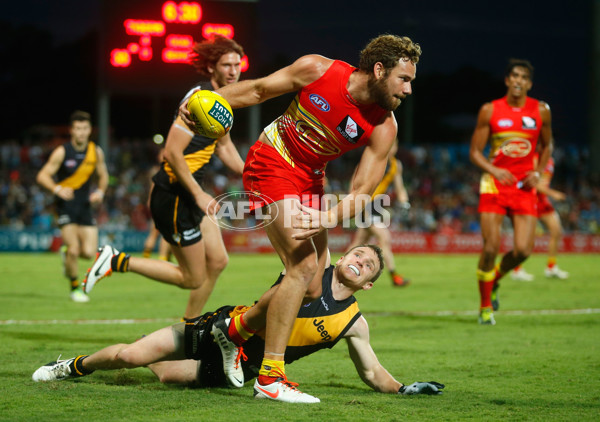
[373, 373]
[302, 72]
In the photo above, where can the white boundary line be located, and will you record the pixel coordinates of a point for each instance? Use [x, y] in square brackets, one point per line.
[87, 321]
[399, 313]
[510, 312]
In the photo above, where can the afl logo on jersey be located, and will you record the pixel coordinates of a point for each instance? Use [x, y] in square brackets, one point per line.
[516, 148]
[71, 163]
[505, 123]
[319, 102]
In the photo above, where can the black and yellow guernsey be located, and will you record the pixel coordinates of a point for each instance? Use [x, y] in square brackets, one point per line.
[76, 170]
[391, 169]
[320, 324]
[197, 154]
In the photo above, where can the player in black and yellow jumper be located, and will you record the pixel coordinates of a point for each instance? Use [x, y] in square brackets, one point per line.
[68, 175]
[320, 324]
[178, 201]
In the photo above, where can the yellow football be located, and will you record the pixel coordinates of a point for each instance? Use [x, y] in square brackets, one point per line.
[211, 113]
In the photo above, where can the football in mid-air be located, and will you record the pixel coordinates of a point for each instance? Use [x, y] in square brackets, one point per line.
[211, 113]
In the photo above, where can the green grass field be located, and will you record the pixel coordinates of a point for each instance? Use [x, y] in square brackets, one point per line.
[540, 362]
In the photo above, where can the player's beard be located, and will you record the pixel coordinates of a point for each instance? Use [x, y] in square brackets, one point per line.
[379, 92]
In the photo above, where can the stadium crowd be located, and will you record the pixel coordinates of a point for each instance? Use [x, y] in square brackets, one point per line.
[441, 182]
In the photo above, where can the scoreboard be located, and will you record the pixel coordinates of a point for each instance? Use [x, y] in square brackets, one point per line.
[146, 43]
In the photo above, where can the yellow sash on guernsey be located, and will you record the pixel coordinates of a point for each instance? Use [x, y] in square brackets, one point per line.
[84, 171]
[318, 329]
[194, 161]
[388, 178]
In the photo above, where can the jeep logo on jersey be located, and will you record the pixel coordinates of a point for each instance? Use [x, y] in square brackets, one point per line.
[505, 123]
[319, 102]
[321, 329]
[350, 130]
[221, 115]
[516, 148]
[528, 122]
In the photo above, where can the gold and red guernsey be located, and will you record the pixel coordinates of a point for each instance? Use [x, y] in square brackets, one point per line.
[514, 136]
[323, 121]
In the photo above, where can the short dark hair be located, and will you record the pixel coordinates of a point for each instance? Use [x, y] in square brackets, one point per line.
[81, 116]
[512, 63]
[379, 254]
[208, 52]
[388, 49]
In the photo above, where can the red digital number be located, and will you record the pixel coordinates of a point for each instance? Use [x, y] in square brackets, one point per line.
[181, 13]
[177, 46]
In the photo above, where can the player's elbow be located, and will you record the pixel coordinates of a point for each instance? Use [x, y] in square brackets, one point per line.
[362, 191]
[472, 155]
[38, 178]
[170, 154]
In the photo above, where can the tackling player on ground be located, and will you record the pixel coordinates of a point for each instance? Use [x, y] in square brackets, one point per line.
[185, 353]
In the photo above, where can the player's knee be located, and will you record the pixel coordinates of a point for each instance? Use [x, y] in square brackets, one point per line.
[190, 281]
[88, 253]
[73, 252]
[219, 264]
[127, 358]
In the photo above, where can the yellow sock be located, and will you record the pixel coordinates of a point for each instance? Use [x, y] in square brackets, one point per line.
[486, 276]
[272, 368]
[146, 253]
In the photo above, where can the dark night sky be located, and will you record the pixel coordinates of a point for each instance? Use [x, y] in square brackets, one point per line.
[453, 35]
